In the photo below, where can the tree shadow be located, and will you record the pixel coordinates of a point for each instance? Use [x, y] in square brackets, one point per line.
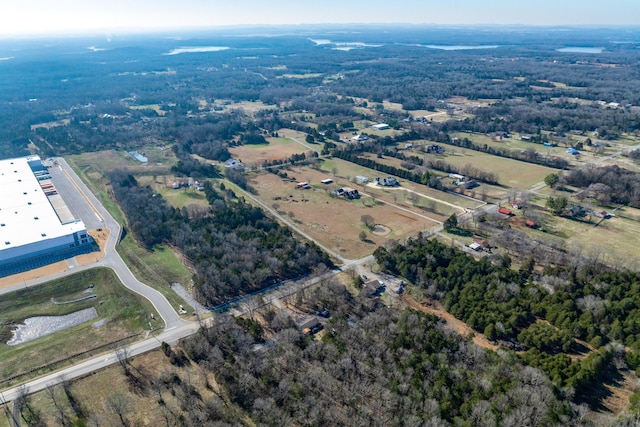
[595, 394]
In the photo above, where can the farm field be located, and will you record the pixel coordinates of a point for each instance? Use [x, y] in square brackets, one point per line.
[335, 222]
[125, 314]
[587, 154]
[277, 149]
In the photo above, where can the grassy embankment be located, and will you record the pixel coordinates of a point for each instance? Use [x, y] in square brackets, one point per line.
[125, 314]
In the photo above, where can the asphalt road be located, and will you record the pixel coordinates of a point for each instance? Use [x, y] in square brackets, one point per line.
[80, 195]
[169, 335]
[175, 327]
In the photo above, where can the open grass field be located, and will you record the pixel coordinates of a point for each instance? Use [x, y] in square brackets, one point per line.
[615, 240]
[277, 149]
[300, 76]
[154, 107]
[160, 161]
[335, 222]
[49, 125]
[125, 313]
[511, 173]
[179, 198]
[249, 107]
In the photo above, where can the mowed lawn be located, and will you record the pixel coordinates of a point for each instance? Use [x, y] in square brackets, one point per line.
[277, 149]
[333, 221]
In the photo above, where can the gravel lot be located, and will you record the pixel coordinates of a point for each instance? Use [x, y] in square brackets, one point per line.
[36, 327]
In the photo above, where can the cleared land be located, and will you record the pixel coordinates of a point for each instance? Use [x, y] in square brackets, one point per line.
[277, 149]
[335, 222]
[125, 313]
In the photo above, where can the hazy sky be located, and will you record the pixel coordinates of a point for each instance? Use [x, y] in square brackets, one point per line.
[44, 16]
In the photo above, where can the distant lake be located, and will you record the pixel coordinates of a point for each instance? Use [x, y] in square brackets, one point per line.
[320, 42]
[581, 49]
[346, 46]
[197, 49]
[459, 47]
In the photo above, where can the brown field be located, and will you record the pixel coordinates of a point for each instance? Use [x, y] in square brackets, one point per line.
[49, 125]
[335, 222]
[277, 149]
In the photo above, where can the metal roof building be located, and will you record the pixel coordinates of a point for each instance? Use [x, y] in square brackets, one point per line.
[32, 232]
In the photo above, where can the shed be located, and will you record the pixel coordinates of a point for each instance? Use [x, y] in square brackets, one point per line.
[359, 138]
[505, 211]
[310, 326]
[476, 247]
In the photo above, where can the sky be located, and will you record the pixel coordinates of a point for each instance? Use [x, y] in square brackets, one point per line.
[35, 17]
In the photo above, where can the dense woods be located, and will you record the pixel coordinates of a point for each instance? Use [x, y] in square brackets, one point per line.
[375, 367]
[233, 247]
[508, 304]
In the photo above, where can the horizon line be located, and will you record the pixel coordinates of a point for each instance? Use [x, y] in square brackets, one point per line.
[162, 30]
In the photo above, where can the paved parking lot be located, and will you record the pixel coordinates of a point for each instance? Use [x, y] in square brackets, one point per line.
[74, 199]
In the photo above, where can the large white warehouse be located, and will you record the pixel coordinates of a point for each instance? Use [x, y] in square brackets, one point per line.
[31, 232]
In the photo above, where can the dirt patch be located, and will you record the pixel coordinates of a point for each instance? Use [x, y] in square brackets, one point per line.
[434, 307]
[100, 237]
[37, 273]
[618, 399]
[380, 230]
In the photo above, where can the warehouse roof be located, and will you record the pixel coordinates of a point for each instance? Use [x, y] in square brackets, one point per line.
[26, 215]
